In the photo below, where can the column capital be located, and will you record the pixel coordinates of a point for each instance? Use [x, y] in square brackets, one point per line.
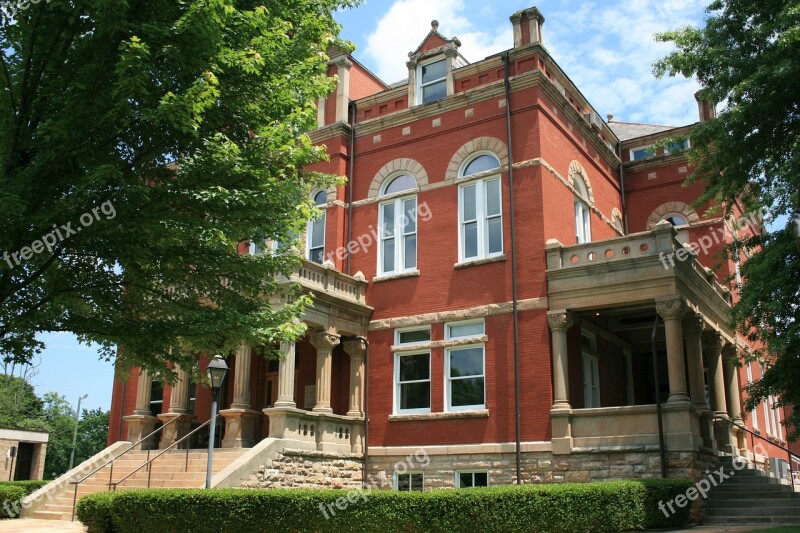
[323, 340]
[729, 351]
[559, 320]
[343, 63]
[355, 348]
[671, 309]
[516, 18]
[693, 324]
[712, 340]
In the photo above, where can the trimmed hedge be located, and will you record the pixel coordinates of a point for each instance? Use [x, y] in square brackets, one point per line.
[569, 507]
[11, 492]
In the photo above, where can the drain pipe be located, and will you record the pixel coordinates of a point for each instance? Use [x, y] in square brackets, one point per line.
[622, 189]
[365, 480]
[514, 302]
[661, 450]
[351, 156]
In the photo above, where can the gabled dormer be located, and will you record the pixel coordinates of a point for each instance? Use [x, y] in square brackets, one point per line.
[430, 67]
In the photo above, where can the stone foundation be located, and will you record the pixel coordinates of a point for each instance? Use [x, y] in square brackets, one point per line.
[307, 469]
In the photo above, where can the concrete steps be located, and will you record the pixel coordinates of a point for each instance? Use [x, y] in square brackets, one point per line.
[170, 470]
[750, 497]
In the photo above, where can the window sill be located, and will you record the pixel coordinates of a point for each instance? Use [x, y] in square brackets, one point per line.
[399, 275]
[483, 413]
[476, 262]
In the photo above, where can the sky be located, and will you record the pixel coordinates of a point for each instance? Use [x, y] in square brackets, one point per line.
[606, 48]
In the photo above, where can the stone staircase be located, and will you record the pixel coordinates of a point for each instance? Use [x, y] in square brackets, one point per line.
[168, 471]
[750, 497]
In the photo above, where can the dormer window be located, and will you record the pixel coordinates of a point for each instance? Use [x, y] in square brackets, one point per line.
[432, 78]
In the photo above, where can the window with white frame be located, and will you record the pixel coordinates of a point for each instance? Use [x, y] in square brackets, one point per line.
[465, 367]
[754, 413]
[432, 81]
[415, 335]
[398, 227]
[642, 152]
[315, 236]
[677, 147]
[413, 382]
[480, 211]
[472, 479]
[583, 228]
[409, 481]
[776, 417]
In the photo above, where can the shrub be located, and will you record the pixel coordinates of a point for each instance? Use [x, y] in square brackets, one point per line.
[663, 490]
[10, 495]
[587, 507]
[29, 487]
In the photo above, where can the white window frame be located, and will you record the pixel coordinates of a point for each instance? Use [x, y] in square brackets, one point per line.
[754, 412]
[421, 86]
[310, 226]
[583, 214]
[639, 149]
[409, 473]
[398, 384]
[481, 219]
[399, 235]
[686, 145]
[589, 400]
[448, 325]
[473, 472]
[398, 331]
[448, 380]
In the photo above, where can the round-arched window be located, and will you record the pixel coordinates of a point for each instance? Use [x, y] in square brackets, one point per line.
[675, 219]
[403, 182]
[481, 163]
[315, 234]
[397, 219]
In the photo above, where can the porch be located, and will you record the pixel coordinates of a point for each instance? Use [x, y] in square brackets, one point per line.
[612, 305]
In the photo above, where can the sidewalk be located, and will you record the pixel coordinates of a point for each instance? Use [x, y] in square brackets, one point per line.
[40, 526]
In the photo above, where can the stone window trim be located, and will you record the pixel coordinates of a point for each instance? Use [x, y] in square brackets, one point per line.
[674, 207]
[576, 169]
[488, 145]
[448, 415]
[477, 262]
[461, 341]
[392, 169]
[399, 275]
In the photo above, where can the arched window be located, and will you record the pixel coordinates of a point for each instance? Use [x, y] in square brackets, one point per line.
[315, 235]
[583, 226]
[397, 221]
[679, 222]
[480, 210]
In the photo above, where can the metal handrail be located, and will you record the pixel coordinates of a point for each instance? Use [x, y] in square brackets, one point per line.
[162, 452]
[754, 434]
[111, 462]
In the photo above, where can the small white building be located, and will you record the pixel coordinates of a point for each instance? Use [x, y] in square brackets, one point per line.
[23, 454]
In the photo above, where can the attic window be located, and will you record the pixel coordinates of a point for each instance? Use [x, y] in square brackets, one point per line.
[432, 81]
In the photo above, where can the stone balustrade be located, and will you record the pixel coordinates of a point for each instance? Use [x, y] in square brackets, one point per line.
[313, 430]
[326, 279]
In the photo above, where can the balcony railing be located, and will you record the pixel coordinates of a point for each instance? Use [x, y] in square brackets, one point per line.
[326, 279]
[321, 431]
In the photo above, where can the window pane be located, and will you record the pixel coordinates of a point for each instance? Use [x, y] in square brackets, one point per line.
[434, 92]
[316, 255]
[482, 163]
[416, 481]
[415, 395]
[470, 240]
[410, 219]
[388, 255]
[641, 153]
[466, 392]
[466, 330]
[434, 71]
[468, 202]
[321, 198]
[318, 232]
[495, 226]
[492, 197]
[468, 362]
[403, 481]
[388, 220]
[400, 183]
[464, 480]
[419, 335]
[410, 251]
[481, 479]
[414, 367]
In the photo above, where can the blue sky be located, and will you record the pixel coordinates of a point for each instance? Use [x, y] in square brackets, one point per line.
[606, 48]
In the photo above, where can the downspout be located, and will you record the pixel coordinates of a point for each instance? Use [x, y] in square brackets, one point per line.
[622, 189]
[661, 448]
[514, 303]
[365, 479]
[350, 171]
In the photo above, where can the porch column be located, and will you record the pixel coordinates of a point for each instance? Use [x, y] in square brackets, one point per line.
[286, 376]
[141, 423]
[356, 349]
[324, 342]
[178, 409]
[672, 312]
[240, 419]
[694, 354]
[560, 414]
[712, 352]
[732, 382]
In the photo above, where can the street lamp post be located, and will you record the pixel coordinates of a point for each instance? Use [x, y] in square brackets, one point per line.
[216, 371]
[75, 433]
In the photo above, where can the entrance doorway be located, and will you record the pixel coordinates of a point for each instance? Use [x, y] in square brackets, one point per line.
[24, 461]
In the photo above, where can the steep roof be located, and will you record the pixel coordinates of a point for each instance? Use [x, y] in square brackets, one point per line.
[631, 130]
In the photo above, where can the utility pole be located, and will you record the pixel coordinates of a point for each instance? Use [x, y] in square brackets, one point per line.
[75, 433]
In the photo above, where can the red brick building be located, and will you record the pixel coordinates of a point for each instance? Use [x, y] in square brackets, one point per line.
[486, 286]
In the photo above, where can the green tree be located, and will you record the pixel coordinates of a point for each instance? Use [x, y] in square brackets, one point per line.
[92, 434]
[60, 419]
[20, 408]
[748, 56]
[140, 143]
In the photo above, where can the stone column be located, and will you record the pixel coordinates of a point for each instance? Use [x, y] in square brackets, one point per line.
[356, 349]
[141, 423]
[694, 354]
[178, 409]
[324, 342]
[731, 375]
[240, 419]
[712, 352]
[672, 312]
[560, 414]
[286, 376]
[343, 66]
[516, 23]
